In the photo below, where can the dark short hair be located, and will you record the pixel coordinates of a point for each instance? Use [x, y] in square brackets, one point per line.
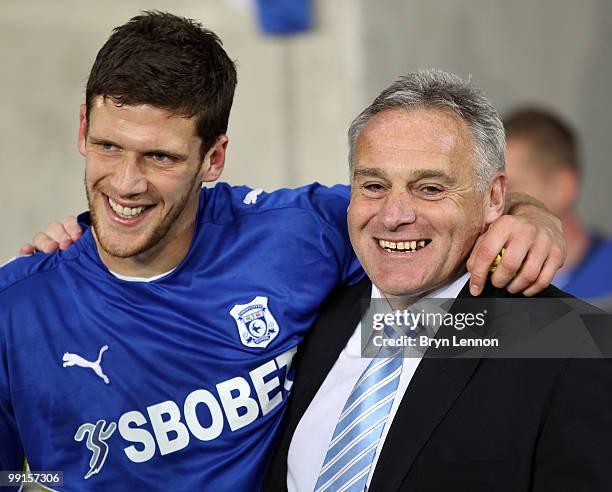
[169, 62]
[547, 133]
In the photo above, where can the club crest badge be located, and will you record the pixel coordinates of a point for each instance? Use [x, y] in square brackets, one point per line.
[256, 325]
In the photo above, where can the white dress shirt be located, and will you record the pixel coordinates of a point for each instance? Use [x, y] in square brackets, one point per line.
[314, 431]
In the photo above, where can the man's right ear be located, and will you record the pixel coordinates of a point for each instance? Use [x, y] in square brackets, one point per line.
[82, 139]
[214, 160]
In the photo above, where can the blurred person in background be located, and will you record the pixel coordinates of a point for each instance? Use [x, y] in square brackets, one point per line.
[542, 159]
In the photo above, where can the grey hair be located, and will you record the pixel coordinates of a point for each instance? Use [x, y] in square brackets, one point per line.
[436, 89]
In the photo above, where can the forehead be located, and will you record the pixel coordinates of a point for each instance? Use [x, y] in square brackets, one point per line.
[416, 138]
[140, 125]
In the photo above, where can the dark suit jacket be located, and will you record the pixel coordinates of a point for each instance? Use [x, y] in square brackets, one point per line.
[476, 424]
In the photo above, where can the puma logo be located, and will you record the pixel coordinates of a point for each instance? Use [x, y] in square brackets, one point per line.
[251, 197]
[76, 360]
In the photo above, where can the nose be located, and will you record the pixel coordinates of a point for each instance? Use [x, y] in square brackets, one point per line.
[398, 209]
[128, 179]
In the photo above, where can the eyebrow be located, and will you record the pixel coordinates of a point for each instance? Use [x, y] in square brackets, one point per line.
[415, 175]
[369, 172]
[431, 173]
[102, 141]
[97, 140]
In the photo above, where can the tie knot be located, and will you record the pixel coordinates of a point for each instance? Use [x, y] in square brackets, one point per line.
[399, 330]
[384, 331]
[394, 335]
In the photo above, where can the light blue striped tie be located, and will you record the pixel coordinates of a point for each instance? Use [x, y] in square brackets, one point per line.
[353, 445]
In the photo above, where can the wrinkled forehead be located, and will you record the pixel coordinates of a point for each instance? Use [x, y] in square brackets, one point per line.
[432, 125]
[415, 139]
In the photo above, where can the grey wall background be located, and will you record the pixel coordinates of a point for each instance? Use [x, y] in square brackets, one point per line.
[556, 53]
[296, 96]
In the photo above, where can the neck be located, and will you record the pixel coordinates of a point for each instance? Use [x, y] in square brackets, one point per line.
[577, 237]
[166, 255]
[405, 301]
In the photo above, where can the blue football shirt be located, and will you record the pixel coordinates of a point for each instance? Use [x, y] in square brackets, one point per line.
[178, 383]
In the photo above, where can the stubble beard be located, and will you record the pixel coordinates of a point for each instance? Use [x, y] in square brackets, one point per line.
[159, 232]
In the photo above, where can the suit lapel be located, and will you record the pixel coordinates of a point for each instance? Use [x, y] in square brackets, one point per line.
[431, 393]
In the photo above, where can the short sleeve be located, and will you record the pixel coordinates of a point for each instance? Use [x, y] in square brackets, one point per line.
[331, 205]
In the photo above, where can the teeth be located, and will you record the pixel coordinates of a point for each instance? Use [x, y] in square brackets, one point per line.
[411, 246]
[125, 212]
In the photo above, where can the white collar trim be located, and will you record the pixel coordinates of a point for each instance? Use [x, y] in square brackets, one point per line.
[141, 279]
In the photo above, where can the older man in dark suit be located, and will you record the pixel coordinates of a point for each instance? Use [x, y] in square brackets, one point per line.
[427, 167]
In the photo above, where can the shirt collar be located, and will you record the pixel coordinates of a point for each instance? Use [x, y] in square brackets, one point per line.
[141, 279]
[447, 291]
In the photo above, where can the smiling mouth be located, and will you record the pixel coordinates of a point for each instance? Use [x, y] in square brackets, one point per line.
[125, 212]
[403, 246]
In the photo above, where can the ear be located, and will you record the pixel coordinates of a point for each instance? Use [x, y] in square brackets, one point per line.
[214, 160]
[495, 198]
[82, 139]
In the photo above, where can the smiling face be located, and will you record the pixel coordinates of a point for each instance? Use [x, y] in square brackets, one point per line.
[144, 171]
[414, 213]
